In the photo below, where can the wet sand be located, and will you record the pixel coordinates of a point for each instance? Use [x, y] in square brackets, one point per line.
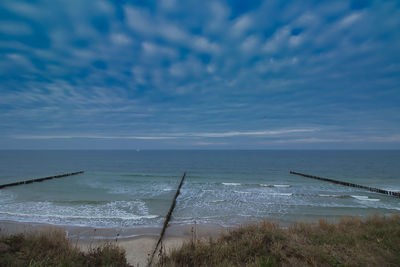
[137, 242]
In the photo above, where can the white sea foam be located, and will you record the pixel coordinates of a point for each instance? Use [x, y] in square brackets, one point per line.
[281, 194]
[111, 237]
[364, 198]
[275, 185]
[59, 216]
[232, 184]
[336, 196]
[242, 192]
[359, 197]
[116, 213]
[217, 201]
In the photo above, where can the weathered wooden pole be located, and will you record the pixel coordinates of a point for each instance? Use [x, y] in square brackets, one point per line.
[386, 192]
[167, 219]
[41, 179]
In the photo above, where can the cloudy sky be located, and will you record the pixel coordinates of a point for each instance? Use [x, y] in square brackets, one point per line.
[199, 74]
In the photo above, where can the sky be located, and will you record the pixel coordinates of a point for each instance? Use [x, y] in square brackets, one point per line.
[170, 74]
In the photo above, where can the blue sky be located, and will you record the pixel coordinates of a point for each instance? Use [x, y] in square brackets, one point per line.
[199, 74]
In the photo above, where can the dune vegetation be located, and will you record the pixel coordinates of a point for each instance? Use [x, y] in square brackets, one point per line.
[351, 242]
[53, 249]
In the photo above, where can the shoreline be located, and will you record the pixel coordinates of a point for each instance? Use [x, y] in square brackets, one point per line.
[73, 232]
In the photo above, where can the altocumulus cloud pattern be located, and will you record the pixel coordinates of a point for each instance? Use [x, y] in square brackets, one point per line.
[199, 74]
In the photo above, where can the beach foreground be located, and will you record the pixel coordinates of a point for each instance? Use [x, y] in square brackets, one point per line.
[137, 243]
[353, 241]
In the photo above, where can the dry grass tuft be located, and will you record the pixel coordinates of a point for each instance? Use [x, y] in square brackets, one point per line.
[53, 249]
[352, 242]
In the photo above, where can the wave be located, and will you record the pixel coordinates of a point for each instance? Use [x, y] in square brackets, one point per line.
[281, 194]
[335, 196]
[232, 184]
[242, 192]
[81, 202]
[218, 201]
[275, 185]
[115, 213]
[132, 217]
[365, 198]
[282, 185]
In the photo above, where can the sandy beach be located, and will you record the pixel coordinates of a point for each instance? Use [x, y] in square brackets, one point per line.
[138, 243]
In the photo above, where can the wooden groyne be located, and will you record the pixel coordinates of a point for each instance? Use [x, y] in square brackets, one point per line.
[167, 219]
[377, 190]
[41, 179]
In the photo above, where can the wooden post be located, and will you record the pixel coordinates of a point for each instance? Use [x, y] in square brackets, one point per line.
[377, 190]
[41, 179]
[167, 219]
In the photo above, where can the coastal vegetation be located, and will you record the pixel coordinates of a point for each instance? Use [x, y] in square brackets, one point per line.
[351, 242]
[53, 249]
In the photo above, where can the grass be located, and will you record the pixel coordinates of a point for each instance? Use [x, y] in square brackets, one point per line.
[351, 242]
[53, 249]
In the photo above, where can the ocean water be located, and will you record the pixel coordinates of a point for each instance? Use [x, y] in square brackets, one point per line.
[129, 189]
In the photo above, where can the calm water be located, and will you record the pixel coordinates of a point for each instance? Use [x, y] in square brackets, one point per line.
[131, 189]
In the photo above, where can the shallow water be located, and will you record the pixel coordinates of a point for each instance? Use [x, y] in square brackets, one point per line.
[134, 189]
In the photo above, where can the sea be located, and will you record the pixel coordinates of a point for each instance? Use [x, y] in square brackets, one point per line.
[128, 189]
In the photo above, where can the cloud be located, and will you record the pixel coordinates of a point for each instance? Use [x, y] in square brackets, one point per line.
[202, 44]
[26, 9]
[250, 44]
[209, 143]
[20, 61]
[349, 20]
[168, 4]
[169, 135]
[278, 40]
[120, 39]
[217, 22]
[139, 20]
[152, 49]
[173, 33]
[241, 25]
[310, 140]
[45, 137]
[372, 139]
[15, 28]
[250, 133]
[199, 71]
